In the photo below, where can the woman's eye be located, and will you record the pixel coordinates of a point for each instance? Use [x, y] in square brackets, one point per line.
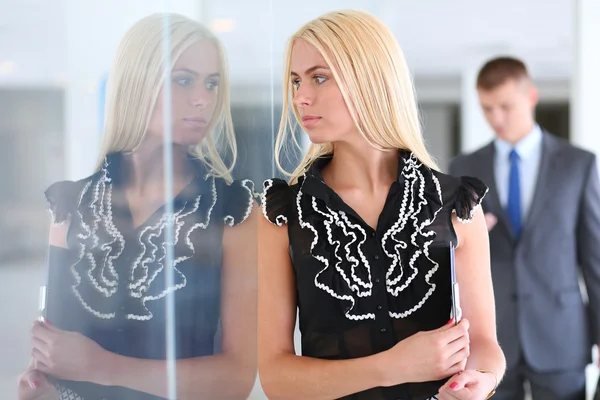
[296, 84]
[320, 79]
[183, 81]
[211, 85]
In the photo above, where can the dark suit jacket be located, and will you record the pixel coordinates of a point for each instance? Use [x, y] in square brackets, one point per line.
[541, 313]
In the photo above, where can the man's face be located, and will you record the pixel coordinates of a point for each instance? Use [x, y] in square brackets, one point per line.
[509, 108]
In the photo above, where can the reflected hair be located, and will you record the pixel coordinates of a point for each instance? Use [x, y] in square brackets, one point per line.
[135, 81]
[373, 77]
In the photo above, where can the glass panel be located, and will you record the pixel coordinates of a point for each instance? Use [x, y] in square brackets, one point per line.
[149, 273]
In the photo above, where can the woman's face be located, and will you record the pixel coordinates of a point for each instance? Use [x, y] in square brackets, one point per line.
[325, 116]
[194, 92]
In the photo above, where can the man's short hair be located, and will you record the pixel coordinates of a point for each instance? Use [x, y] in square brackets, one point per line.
[499, 70]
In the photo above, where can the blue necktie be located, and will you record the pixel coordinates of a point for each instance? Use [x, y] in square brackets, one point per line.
[513, 208]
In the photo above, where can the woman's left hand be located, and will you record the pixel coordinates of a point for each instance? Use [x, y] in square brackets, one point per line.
[468, 385]
[68, 355]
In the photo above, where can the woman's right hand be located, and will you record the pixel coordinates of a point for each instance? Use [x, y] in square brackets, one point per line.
[33, 385]
[428, 356]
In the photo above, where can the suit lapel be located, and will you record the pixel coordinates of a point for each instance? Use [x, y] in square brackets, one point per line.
[544, 182]
[489, 177]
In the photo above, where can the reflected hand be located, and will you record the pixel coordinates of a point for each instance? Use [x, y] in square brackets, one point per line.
[68, 355]
[468, 385]
[33, 385]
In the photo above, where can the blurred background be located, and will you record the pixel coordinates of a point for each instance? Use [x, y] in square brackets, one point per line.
[54, 57]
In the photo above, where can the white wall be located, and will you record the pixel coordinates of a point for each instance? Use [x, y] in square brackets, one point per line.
[31, 136]
[437, 130]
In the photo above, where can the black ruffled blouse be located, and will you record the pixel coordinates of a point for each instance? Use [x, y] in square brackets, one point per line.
[360, 291]
[112, 281]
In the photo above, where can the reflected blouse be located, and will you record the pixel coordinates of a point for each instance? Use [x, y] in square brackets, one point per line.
[112, 281]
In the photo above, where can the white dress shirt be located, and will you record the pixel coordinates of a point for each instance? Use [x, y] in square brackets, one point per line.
[529, 150]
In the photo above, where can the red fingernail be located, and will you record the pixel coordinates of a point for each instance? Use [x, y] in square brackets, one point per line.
[34, 384]
[453, 385]
[451, 321]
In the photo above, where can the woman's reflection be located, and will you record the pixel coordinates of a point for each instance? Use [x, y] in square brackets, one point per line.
[105, 331]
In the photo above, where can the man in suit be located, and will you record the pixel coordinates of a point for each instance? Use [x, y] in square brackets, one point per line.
[543, 215]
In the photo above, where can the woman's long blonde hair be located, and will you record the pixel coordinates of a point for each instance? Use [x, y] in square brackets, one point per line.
[135, 81]
[371, 72]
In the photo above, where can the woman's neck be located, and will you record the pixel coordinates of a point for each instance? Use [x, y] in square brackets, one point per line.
[145, 168]
[367, 169]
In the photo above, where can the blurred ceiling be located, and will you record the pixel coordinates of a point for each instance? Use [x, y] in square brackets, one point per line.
[440, 38]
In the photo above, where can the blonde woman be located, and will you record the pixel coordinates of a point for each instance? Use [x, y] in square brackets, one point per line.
[359, 238]
[121, 300]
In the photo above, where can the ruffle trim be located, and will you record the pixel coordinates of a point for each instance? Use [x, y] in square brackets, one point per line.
[469, 195]
[276, 200]
[239, 198]
[98, 243]
[63, 197]
[338, 241]
[338, 244]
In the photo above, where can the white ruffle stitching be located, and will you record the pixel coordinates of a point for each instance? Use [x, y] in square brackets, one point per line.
[137, 287]
[469, 219]
[151, 266]
[249, 186]
[98, 196]
[205, 224]
[325, 261]
[140, 286]
[229, 220]
[268, 184]
[180, 278]
[410, 210]
[101, 210]
[414, 172]
[52, 216]
[109, 247]
[414, 176]
[53, 220]
[280, 220]
[84, 236]
[96, 276]
[367, 285]
[334, 218]
[398, 226]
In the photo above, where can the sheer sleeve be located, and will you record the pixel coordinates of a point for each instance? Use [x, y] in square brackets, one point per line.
[63, 199]
[469, 194]
[277, 201]
[238, 201]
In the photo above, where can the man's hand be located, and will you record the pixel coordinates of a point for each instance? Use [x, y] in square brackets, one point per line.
[490, 220]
